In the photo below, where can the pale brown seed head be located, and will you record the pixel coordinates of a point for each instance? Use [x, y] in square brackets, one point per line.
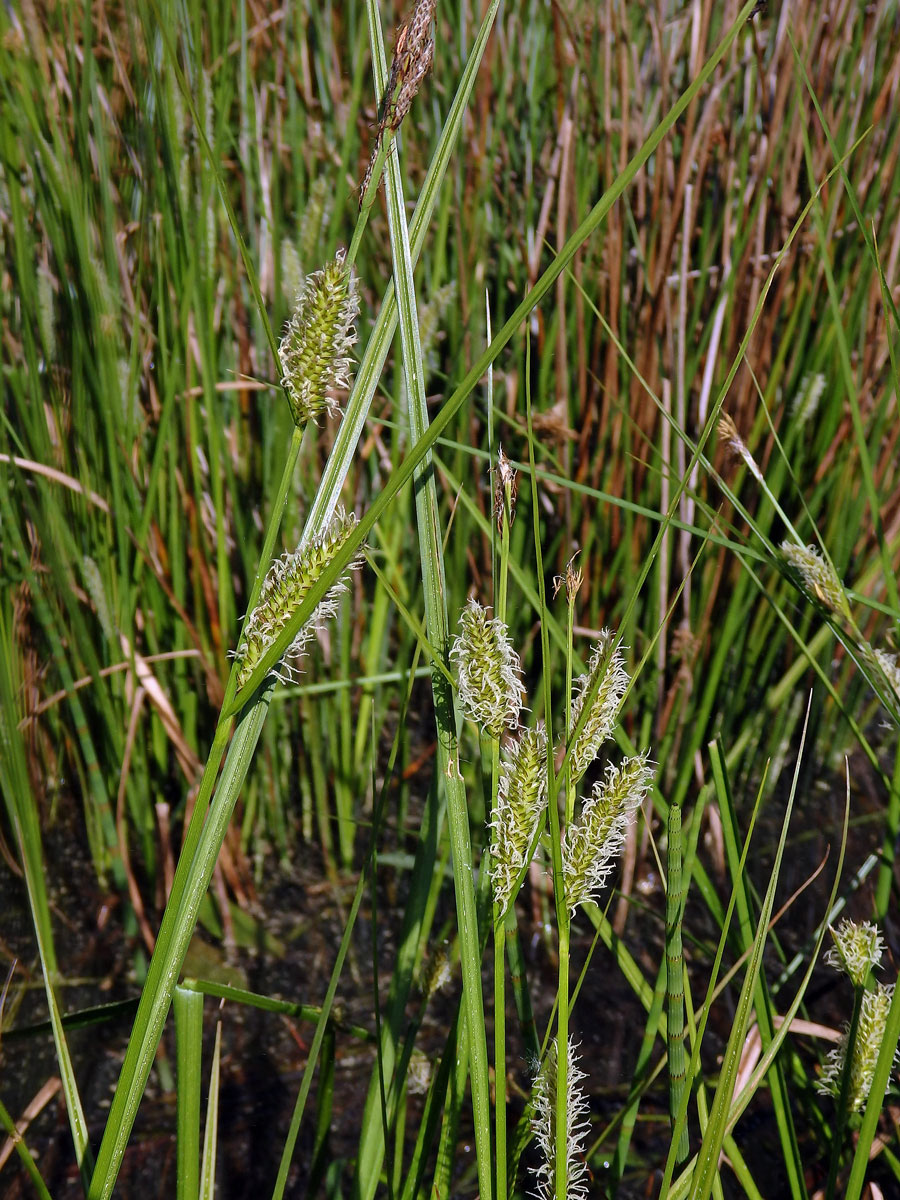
[574, 580]
[413, 56]
[506, 486]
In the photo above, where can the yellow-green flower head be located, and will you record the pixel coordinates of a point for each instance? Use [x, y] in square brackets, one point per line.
[817, 574]
[602, 689]
[543, 1125]
[869, 1038]
[435, 973]
[729, 436]
[593, 842]
[287, 583]
[488, 671]
[419, 1073]
[521, 796]
[314, 352]
[857, 949]
[891, 666]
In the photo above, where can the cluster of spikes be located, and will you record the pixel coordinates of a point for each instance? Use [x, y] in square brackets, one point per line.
[490, 691]
[857, 950]
[315, 365]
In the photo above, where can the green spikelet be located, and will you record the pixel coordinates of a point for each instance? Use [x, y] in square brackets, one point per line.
[866, 1047]
[287, 583]
[521, 796]
[490, 684]
[597, 838]
[314, 352]
[602, 689]
[857, 949]
[817, 575]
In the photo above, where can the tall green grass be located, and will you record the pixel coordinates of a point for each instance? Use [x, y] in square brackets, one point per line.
[599, 233]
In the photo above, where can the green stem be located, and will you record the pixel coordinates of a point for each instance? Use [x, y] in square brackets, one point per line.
[891, 829]
[268, 547]
[180, 912]
[562, 914]
[675, 978]
[844, 1095]
[499, 924]
[562, 1059]
[368, 199]
[563, 920]
[503, 573]
[524, 1011]
[568, 782]
[500, 1051]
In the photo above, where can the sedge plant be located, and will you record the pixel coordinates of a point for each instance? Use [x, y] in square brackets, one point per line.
[293, 594]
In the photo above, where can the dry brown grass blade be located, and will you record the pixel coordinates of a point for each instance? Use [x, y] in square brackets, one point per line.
[33, 1109]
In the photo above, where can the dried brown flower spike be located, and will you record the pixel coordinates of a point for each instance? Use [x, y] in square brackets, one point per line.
[413, 56]
[506, 486]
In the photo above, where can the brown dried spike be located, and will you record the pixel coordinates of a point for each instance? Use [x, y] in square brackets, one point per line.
[370, 166]
[413, 56]
[420, 25]
[506, 481]
[410, 86]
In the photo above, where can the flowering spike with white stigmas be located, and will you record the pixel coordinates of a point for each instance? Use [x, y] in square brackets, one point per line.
[857, 949]
[866, 1048]
[603, 686]
[488, 670]
[597, 838]
[314, 352]
[287, 583]
[817, 574]
[521, 796]
[890, 665]
[543, 1124]
[809, 394]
